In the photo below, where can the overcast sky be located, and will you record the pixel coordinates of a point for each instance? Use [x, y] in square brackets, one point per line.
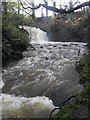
[59, 1]
[50, 2]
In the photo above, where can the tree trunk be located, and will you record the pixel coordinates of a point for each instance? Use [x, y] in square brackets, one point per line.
[18, 7]
[4, 4]
[89, 31]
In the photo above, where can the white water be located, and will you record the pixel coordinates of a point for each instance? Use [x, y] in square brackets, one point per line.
[1, 82]
[1, 85]
[44, 78]
[37, 35]
[22, 107]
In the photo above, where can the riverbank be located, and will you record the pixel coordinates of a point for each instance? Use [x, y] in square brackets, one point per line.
[79, 107]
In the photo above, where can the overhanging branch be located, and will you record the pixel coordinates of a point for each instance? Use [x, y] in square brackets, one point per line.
[62, 11]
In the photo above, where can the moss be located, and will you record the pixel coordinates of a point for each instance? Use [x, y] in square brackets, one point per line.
[67, 110]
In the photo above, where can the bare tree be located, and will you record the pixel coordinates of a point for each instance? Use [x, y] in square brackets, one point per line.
[61, 11]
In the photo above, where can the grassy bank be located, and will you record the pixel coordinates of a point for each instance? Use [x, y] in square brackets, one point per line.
[78, 108]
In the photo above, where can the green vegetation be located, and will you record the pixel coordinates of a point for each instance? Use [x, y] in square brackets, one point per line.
[80, 104]
[84, 70]
[14, 39]
[78, 108]
[72, 27]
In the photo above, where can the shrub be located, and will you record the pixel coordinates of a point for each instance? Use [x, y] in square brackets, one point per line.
[14, 39]
[6, 49]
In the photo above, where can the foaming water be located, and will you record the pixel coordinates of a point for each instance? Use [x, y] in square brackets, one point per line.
[1, 86]
[1, 83]
[43, 79]
[37, 35]
[21, 107]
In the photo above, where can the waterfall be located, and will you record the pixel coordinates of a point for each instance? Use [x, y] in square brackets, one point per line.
[37, 35]
[1, 82]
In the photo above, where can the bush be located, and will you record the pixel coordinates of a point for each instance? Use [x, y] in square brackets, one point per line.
[14, 39]
[6, 49]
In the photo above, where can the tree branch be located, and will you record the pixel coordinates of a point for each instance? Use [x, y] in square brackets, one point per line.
[62, 11]
[76, 3]
[28, 7]
[27, 13]
[78, 7]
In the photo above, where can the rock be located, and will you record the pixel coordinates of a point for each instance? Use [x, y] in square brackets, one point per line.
[65, 61]
[64, 45]
[51, 52]
[46, 58]
[54, 46]
[32, 47]
[41, 46]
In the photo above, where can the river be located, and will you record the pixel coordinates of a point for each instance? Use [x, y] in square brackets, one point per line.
[43, 79]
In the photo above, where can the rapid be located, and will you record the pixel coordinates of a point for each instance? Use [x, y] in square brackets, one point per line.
[43, 79]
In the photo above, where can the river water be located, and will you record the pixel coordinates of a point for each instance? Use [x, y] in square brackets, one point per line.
[43, 79]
